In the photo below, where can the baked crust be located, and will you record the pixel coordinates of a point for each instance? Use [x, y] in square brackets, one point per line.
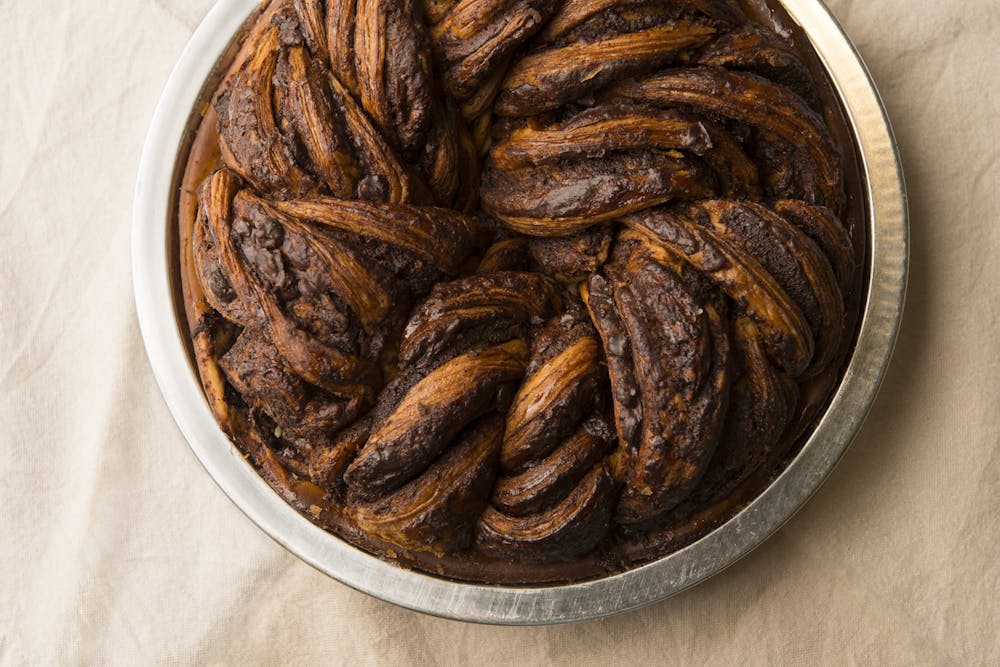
[516, 290]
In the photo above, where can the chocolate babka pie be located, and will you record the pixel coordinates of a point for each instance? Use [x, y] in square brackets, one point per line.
[519, 290]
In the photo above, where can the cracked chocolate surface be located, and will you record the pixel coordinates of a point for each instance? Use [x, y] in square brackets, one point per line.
[518, 290]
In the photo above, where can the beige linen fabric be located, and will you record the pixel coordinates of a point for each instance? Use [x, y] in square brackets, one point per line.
[117, 548]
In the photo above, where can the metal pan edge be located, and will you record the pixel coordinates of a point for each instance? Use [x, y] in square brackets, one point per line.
[165, 346]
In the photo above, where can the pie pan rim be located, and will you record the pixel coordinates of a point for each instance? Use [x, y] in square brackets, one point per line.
[164, 333]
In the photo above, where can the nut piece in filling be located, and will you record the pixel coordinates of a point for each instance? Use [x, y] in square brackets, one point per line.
[517, 290]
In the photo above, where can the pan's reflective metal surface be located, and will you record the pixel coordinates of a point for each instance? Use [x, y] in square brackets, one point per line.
[164, 334]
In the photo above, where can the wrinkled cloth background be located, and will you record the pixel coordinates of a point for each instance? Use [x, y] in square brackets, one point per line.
[117, 548]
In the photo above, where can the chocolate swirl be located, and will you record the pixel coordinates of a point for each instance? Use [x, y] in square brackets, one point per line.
[517, 281]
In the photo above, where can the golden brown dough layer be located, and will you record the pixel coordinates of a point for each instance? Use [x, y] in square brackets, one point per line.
[517, 290]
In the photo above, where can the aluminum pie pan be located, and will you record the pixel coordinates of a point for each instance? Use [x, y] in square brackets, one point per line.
[164, 332]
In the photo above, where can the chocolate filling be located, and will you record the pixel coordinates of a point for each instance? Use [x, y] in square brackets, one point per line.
[520, 291]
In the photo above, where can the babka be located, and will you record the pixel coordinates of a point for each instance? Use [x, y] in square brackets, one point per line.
[519, 291]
